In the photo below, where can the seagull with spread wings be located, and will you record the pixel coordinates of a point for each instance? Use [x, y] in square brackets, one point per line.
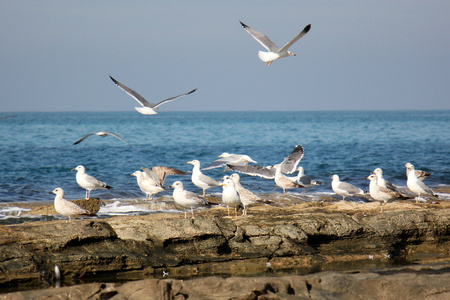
[274, 52]
[147, 107]
[102, 134]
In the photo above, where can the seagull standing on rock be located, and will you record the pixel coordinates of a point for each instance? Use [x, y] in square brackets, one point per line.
[230, 196]
[415, 185]
[88, 182]
[65, 207]
[199, 179]
[344, 189]
[187, 199]
[147, 185]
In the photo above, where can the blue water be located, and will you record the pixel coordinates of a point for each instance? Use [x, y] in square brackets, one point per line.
[37, 155]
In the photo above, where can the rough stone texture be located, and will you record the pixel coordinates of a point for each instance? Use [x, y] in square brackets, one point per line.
[307, 236]
[419, 282]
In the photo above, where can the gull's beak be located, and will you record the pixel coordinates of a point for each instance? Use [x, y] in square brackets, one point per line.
[73, 170]
[293, 54]
[189, 162]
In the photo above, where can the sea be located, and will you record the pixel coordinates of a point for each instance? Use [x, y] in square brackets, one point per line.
[37, 152]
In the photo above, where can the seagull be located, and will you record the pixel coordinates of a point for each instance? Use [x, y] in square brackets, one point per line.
[230, 159]
[421, 175]
[304, 180]
[187, 199]
[199, 179]
[380, 193]
[65, 207]
[247, 196]
[288, 166]
[147, 185]
[381, 181]
[102, 134]
[415, 185]
[147, 107]
[344, 189]
[230, 196]
[158, 174]
[88, 182]
[273, 51]
[283, 181]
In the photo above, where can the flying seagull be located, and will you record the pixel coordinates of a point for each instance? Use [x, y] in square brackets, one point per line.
[102, 134]
[230, 159]
[274, 52]
[147, 107]
[287, 166]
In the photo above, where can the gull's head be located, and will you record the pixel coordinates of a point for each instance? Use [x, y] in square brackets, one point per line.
[335, 177]
[235, 177]
[194, 162]
[227, 182]
[372, 177]
[291, 53]
[409, 165]
[136, 174]
[378, 171]
[79, 168]
[177, 184]
[226, 177]
[225, 154]
[57, 191]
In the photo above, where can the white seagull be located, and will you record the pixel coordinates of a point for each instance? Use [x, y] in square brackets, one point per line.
[230, 159]
[247, 196]
[274, 52]
[102, 134]
[344, 189]
[380, 193]
[304, 180]
[187, 199]
[415, 185]
[88, 182]
[230, 196]
[65, 207]
[283, 181]
[288, 165]
[381, 181]
[201, 180]
[147, 185]
[147, 107]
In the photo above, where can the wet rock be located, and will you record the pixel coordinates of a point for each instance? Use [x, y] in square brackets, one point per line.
[418, 282]
[304, 237]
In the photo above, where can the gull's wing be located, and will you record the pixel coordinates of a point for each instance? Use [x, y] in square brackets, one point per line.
[118, 136]
[261, 38]
[221, 162]
[83, 138]
[299, 36]
[133, 94]
[289, 164]
[264, 172]
[171, 99]
[351, 189]
[162, 172]
[154, 177]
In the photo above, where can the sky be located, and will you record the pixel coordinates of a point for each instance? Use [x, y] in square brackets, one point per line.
[358, 55]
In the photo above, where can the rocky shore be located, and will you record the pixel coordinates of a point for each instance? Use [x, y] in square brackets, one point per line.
[350, 249]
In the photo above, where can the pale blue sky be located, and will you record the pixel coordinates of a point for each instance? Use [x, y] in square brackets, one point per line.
[358, 55]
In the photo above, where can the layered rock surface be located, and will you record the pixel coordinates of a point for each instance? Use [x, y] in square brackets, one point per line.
[298, 239]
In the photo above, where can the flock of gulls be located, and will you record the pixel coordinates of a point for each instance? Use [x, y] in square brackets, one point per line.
[234, 195]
